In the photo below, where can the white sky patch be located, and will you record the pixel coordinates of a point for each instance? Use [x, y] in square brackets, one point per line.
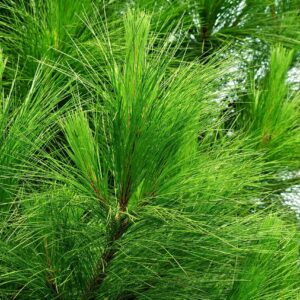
[291, 197]
[294, 77]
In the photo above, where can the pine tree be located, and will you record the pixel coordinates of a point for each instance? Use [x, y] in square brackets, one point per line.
[143, 146]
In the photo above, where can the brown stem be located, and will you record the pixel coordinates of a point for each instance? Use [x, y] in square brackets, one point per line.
[106, 258]
[96, 190]
[93, 182]
[125, 189]
[204, 33]
[50, 272]
[117, 228]
[125, 192]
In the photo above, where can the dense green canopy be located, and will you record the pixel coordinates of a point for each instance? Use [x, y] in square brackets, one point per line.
[144, 149]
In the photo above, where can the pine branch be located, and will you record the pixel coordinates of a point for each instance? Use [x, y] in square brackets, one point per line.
[107, 256]
[50, 273]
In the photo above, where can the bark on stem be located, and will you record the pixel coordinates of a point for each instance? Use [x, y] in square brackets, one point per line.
[106, 258]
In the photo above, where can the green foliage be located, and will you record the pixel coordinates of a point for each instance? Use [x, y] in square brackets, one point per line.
[35, 30]
[274, 256]
[215, 22]
[122, 176]
[271, 113]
